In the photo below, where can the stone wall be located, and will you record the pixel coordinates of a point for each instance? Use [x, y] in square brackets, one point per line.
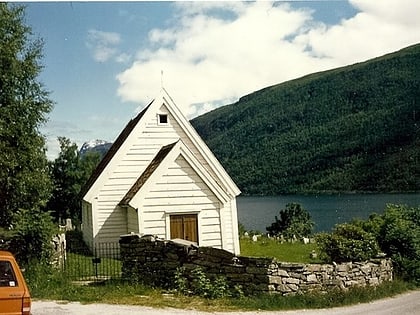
[153, 261]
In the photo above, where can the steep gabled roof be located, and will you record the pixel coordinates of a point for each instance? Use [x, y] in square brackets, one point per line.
[222, 178]
[199, 143]
[146, 174]
[112, 151]
[163, 158]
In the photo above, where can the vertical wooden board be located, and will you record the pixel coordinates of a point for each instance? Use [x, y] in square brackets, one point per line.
[190, 227]
[184, 227]
[176, 226]
[132, 221]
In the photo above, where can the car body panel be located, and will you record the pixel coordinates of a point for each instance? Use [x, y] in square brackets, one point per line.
[14, 294]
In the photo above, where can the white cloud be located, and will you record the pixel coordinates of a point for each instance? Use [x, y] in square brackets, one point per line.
[123, 58]
[103, 45]
[379, 28]
[217, 52]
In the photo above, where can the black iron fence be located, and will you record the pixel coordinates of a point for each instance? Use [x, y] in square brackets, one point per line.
[99, 264]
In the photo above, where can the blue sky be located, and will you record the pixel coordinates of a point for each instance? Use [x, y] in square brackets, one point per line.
[104, 60]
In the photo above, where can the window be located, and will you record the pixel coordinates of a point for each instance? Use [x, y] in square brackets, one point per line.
[7, 276]
[184, 227]
[163, 119]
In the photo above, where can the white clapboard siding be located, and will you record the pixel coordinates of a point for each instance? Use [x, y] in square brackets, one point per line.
[181, 190]
[210, 231]
[87, 220]
[132, 220]
[228, 227]
[119, 182]
[110, 199]
[163, 135]
[160, 188]
[111, 220]
[171, 133]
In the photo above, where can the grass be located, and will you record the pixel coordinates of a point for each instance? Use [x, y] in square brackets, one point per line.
[54, 286]
[80, 266]
[334, 298]
[287, 252]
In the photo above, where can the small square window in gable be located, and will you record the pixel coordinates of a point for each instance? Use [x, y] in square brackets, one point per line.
[163, 119]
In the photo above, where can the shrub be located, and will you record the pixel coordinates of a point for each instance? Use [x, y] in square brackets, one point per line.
[76, 244]
[293, 221]
[397, 233]
[241, 229]
[347, 242]
[373, 225]
[400, 239]
[32, 236]
[197, 283]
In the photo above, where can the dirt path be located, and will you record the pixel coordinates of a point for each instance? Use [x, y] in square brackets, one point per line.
[405, 304]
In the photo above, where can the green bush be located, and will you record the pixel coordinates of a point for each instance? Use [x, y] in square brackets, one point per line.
[198, 283]
[294, 221]
[399, 238]
[43, 279]
[76, 244]
[347, 242]
[32, 236]
[397, 233]
[372, 225]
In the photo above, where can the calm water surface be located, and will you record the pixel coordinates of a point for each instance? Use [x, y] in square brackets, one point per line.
[256, 213]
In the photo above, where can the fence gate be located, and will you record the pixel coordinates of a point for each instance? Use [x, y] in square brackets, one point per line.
[103, 263]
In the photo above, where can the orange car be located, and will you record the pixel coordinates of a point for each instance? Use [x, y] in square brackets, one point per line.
[14, 294]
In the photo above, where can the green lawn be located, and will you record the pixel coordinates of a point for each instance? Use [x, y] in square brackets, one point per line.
[287, 252]
[79, 267]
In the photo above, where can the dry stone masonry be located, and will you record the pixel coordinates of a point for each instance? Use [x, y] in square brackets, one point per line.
[150, 260]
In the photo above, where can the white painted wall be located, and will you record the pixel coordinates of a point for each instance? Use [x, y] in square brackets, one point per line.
[178, 191]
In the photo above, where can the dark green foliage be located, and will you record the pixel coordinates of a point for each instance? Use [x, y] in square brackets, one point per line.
[397, 232]
[347, 242]
[241, 229]
[354, 128]
[24, 103]
[373, 225]
[293, 221]
[196, 282]
[32, 233]
[69, 172]
[399, 237]
[76, 244]
[64, 171]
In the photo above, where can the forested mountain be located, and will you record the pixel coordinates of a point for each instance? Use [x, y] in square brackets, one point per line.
[354, 128]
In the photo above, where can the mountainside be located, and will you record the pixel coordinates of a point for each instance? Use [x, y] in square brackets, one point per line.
[100, 146]
[354, 128]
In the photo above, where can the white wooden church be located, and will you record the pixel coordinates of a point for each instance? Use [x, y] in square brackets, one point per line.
[160, 178]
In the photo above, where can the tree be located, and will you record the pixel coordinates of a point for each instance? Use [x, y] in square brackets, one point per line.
[32, 242]
[64, 172]
[293, 221]
[70, 172]
[24, 103]
[399, 238]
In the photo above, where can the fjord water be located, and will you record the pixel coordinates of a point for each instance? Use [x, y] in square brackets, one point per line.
[256, 213]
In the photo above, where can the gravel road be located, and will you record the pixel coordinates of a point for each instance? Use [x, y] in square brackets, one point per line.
[405, 304]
